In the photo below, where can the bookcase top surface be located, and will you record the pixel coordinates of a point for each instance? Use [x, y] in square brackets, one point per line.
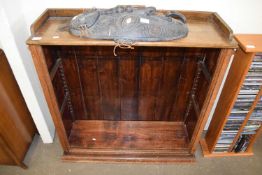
[250, 42]
[206, 29]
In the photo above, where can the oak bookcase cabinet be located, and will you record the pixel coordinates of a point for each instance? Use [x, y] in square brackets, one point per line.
[237, 119]
[148, 104]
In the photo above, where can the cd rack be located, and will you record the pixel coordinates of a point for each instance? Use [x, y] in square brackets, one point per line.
[231, 139]
[237, 120]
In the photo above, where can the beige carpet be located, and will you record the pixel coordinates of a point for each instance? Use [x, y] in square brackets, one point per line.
[44, 159]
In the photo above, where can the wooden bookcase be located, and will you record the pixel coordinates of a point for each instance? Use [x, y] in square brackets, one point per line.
[239, 105]
[148, 104]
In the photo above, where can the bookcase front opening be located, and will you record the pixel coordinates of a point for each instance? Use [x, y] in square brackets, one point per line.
[146, 98]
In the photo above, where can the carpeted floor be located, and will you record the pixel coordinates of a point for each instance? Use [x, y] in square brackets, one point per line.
[44, 159]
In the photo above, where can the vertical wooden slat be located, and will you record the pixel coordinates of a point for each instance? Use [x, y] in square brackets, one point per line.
[168, 90]
[157, 115]
[83, 104]
[88, 68]
[139, 63]
[98, 81]
[108, 74]
[150, 76]
[128, 82]
[89, 81]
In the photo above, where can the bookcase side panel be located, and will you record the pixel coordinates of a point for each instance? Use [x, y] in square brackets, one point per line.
[43, 75]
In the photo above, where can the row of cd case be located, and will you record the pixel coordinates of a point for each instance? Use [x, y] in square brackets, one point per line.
[245, 99]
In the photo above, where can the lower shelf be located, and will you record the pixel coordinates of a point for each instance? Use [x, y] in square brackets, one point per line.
[128, 141]
[206, 152]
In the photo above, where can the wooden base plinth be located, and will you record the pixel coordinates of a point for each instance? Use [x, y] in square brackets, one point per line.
[128, 141]
[128, 157]
[206, 152]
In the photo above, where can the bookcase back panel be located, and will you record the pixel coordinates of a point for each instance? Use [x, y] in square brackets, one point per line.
[140, 84]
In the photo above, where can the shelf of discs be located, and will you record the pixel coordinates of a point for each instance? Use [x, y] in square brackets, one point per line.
[237, 120]
[237, 133]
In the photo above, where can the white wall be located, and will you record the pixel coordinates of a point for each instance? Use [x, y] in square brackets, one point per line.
[243, 16]
[13, 33]
[1, 47]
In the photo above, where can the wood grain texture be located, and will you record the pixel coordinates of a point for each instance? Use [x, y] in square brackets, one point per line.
[205, 30]
[108, 76]
[5, 157]
[73, 80]
[185, 82]
[9, 156]
[141, 84]
[223, 61]
[168, 88]
[55, 68]
[62, 95]
[129, 70]
[250, 42]
[196, 100]
[128, 135]
[16, 125]
[222, 25]
[129, 157]
[151, 67]
[56, 71]
[128, 141]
